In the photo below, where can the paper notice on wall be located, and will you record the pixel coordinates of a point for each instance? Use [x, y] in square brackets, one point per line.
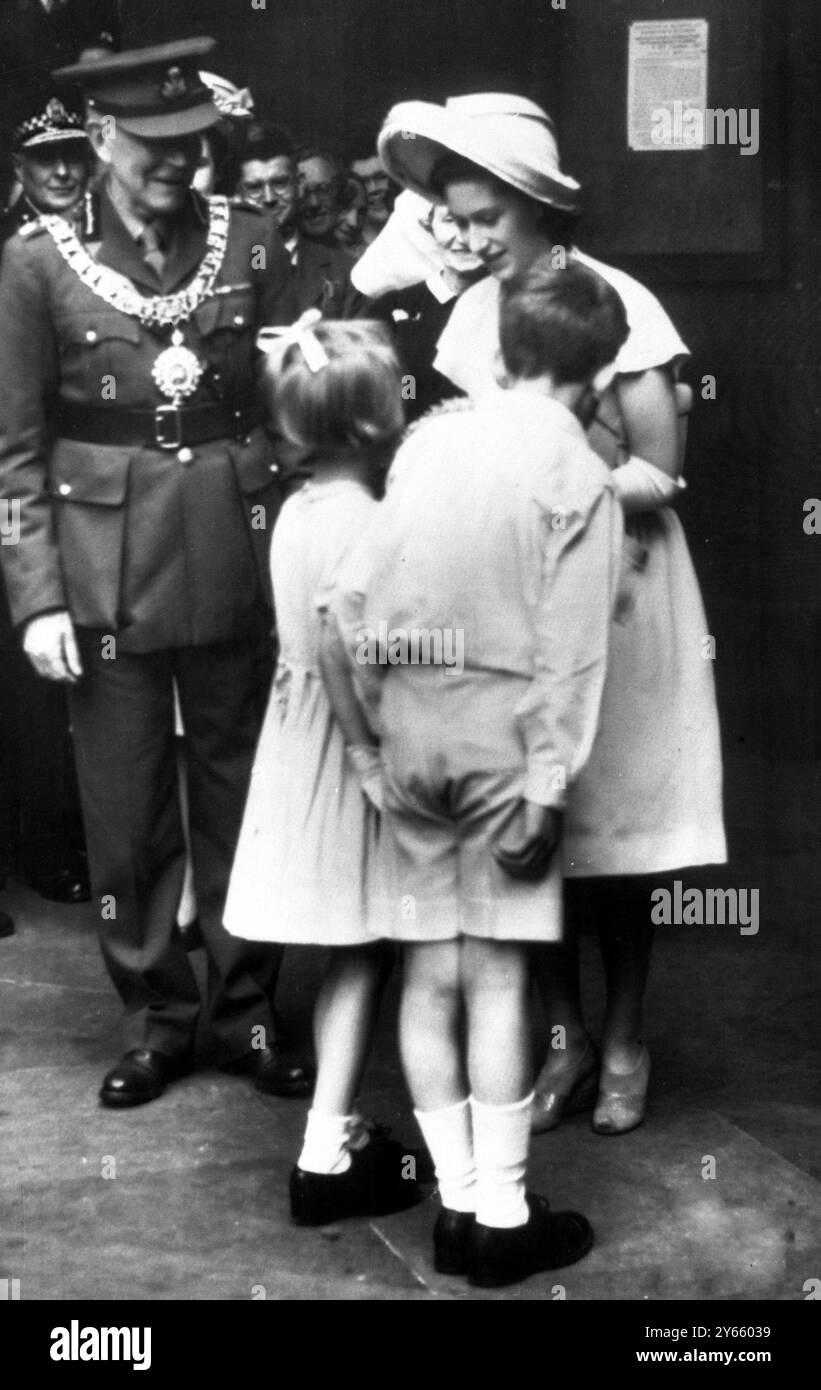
[667, 84]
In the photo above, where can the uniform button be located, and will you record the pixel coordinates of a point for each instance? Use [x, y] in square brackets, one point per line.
[64, 489]
[91, 335]
[185, 456]
[239, 318]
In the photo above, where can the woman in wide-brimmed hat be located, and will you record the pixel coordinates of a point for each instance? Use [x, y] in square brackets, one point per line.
[649, 799]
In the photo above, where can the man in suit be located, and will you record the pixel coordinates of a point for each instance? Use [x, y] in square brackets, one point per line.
[132, 443]
[268, 177]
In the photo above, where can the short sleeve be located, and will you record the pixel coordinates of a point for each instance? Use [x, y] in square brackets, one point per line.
[347, 552]
[653, 340]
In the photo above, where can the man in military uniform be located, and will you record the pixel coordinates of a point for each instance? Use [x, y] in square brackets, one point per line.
[51, 157]
[131, 438]
[40, 819]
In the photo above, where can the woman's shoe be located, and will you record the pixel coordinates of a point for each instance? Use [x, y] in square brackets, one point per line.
[563, 1091]
[622, 1102]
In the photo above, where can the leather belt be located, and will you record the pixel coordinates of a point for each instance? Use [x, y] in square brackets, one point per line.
[166, 427]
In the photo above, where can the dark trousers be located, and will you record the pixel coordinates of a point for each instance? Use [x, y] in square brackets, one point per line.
[123, 719]
[41, 828]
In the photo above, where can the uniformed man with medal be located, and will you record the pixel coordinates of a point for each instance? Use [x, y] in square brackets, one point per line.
[132, 446]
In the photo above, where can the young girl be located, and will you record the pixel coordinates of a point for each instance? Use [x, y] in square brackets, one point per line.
[501, 528]
[307, 857]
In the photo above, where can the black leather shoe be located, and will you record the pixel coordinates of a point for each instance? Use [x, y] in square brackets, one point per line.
[67, 885]
[6, 925]
[548, 1240]
[275, 1072]
[141, 1076]
[374, 1185]
[451, 1240]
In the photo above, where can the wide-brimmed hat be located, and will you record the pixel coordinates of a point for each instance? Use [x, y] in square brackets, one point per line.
[151, 92]
[403, 254]
[54, 125]
[509, 136]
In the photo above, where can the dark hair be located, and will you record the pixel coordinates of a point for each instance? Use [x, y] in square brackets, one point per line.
[264, 140]
[559, 227]
[568, 322]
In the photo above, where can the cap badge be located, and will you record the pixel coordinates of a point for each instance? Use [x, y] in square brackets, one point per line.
[174, 86]
[56, 112]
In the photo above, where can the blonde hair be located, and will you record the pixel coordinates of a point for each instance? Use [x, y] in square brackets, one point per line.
[353, 402]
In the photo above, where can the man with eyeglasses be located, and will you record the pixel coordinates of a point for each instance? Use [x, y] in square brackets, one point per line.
[268, 176]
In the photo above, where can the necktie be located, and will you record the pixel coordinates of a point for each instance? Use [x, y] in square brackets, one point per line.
[153, 243]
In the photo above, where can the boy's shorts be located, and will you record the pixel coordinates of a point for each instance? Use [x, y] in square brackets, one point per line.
[454, 767]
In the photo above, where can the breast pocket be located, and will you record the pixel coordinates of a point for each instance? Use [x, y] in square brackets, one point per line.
[96, 344]
[226, 324]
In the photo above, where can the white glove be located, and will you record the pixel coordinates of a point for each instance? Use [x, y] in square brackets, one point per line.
[366, 763]
[642, 487]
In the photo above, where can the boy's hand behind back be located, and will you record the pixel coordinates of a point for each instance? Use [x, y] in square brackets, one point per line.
[527, 854]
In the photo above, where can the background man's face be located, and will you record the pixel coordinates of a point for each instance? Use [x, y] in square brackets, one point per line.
[54, 177]
[318, 196]
[377, 186]
[152, 176]
[272, 184]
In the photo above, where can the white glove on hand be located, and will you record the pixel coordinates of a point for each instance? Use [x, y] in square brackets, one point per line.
[366, 763]
[642, 487]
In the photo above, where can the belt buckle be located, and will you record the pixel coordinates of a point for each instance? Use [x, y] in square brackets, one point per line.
[161, 415]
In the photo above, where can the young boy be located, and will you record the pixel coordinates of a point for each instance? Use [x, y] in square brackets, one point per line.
[499, 539]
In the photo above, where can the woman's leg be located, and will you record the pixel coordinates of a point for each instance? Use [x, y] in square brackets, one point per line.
[556, 969]
[622, 913]
[567, 1080]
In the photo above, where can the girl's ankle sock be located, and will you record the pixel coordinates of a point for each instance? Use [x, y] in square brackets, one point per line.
[501, 1139]
[448, 1135]
[325, 1147]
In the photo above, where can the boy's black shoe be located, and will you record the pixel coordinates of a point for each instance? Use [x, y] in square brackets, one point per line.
[548, 1240]
[451, 1240]
[372, 1186]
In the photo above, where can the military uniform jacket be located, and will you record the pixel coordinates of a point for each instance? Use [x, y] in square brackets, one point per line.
[163, 548]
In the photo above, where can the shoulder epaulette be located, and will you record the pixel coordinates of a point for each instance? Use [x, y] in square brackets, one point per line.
[27, 230]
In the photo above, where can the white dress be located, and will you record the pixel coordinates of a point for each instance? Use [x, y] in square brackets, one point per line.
[306, 863]
[650, 797]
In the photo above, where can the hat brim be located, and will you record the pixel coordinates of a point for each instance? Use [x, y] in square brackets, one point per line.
[169, 123]
[417, 133]
[60, 137]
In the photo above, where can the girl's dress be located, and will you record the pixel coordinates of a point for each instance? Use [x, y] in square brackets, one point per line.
[649, 799]
[305, 867]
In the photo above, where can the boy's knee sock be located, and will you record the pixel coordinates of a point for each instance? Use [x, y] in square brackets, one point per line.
[501, 1139]
[325, 1148]
[448, 1135]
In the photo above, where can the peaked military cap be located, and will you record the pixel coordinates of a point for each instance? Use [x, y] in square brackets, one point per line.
[48, 127]
[152, 92]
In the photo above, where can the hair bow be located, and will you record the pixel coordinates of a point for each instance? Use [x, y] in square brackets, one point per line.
[274, 340]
